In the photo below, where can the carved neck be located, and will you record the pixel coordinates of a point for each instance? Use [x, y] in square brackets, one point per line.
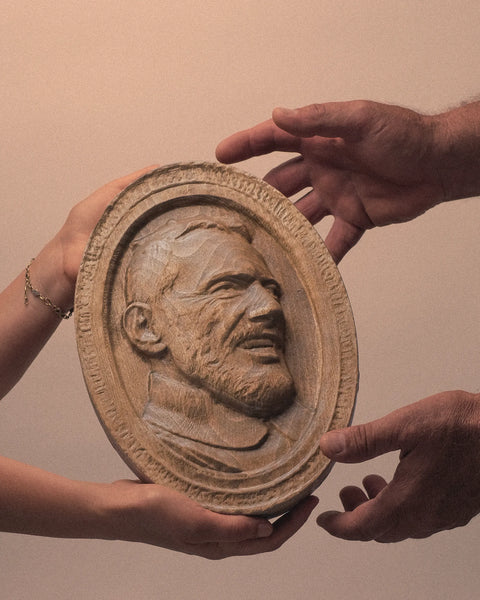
[194, 414]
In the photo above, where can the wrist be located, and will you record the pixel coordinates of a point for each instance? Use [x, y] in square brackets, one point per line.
[457, 151]
[97, 512]
[120, 507]
[46, 274]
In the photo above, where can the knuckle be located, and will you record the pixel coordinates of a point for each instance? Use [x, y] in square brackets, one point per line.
[365, 115]
[362, 441]
[362, 108]
[259, 142]
[317, 111]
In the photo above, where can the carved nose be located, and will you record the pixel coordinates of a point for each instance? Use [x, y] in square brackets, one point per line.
[262, 303]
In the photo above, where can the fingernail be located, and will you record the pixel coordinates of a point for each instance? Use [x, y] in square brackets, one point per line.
[264, 529]
[335, 443]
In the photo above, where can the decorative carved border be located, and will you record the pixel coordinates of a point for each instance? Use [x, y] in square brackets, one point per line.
[277, 490]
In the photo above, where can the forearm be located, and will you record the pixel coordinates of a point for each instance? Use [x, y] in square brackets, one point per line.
[36, 502]
[25, 328]
[457, 157]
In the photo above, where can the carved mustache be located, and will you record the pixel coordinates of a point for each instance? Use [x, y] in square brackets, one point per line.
[259, 337]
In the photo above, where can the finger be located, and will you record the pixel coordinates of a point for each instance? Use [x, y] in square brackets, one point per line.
[290, 177]
[122, 182]
[363, 442]
[370, 520]
[310, 206]
[343, 525]
[127, 179]
[341, 238]
[332, 119]
[290, 522]
[262, 139]
[374, 484]
[283, 529]
[352, 496]
[399, 430]
[220, 528]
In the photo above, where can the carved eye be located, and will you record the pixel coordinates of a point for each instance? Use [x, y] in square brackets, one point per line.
[226, 285]
[274, 289]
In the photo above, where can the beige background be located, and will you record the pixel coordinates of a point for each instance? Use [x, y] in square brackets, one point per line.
[91, 90]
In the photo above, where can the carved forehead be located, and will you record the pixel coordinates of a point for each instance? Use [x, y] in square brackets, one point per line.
[208, 255]
[159, 250]
[187, 239]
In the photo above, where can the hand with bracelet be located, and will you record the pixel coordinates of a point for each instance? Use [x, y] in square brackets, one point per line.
[33, 501]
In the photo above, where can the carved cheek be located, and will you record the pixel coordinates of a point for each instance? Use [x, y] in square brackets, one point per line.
[200, 317]
[220, 318]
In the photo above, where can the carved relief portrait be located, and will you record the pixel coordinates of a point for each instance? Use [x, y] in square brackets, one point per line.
[216, 338]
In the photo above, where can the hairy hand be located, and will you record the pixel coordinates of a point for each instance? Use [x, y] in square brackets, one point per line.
[363, 162]
[436, 485]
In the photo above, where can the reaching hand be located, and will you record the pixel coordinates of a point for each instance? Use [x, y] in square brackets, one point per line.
[367, 164]
[163, 517]
[436, 485]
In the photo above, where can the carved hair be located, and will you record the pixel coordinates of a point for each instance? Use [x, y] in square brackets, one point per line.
[151, 270]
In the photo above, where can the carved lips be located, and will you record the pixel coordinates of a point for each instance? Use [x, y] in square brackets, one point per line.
[266, 346]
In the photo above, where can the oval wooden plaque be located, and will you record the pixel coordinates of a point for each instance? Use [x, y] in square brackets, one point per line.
[216, 338]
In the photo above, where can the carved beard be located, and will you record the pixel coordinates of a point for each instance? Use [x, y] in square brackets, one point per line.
[257, 390]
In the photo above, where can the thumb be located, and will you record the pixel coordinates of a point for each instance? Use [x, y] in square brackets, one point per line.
[332, 119]
[363, 442]
[230, 528]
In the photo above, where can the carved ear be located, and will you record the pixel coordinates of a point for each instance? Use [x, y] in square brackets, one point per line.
[140, 330]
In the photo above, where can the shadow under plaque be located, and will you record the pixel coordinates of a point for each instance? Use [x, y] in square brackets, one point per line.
[216, 338]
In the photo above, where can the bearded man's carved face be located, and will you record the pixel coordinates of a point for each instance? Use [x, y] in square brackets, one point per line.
[222, 323]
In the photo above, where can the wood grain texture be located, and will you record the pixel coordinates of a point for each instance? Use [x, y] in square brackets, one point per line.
[216, 338]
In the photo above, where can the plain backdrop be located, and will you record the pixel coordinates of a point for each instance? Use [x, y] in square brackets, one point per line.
[91, 90]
